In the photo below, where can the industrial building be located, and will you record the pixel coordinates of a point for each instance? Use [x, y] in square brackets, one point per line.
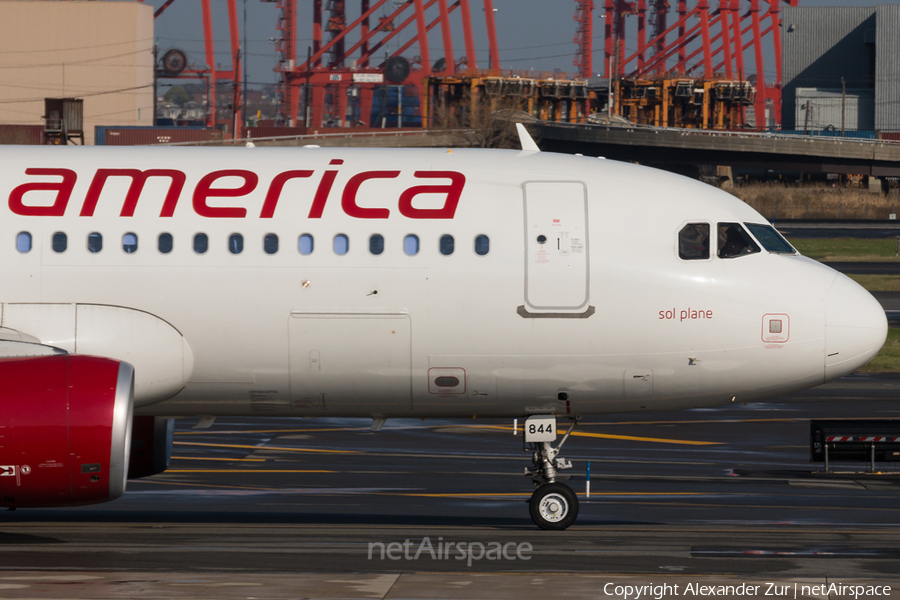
[842, 70]
[101, 52]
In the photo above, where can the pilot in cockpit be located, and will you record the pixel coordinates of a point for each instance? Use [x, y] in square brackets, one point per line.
[734, 241]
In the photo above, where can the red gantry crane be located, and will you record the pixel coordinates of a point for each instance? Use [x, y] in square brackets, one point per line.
[348, 60]
[348, 65]
[704, 40]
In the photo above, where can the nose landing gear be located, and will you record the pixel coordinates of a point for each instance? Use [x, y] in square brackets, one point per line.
[553, 505]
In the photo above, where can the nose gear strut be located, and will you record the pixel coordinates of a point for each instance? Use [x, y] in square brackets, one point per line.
[553, 505]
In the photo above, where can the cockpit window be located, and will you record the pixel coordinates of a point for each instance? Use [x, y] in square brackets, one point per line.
[770, 239]
[734, 241]
[693, 241]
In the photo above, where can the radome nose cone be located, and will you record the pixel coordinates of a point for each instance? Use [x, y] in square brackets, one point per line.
[855, 327]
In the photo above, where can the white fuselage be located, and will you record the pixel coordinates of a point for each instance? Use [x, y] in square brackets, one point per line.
[601, 316]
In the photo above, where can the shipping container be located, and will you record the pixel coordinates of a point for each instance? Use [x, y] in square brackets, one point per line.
[28, 135]
[143, 136]
[257, 132]
[266, 132]
[393, 107]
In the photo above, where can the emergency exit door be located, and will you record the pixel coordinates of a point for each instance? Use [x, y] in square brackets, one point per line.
[557, 272]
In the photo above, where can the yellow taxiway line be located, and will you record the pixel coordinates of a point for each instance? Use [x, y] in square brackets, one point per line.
[279, 448]
[633, 438]
[248, 471]
[608, 436]
[222, 459]
[526, 495]
[232, 431]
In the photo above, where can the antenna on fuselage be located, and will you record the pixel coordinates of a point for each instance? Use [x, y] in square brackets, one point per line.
[526, 140]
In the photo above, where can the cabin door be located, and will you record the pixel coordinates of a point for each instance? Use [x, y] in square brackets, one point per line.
[350, 362]
[556, 247]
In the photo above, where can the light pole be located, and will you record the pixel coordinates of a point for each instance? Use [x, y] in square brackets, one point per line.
[273, 41]
[245, 65]
[490, 50]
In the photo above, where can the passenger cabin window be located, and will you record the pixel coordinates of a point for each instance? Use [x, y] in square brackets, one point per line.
[734, 241]
[236, 243]
[23, 242]
[446, 245]
[95, 242]
[201, 243]
[411, 245]
[376, 244]
[130, 243]
[270, 243]
[59, 242]
[341, 244]
[164, 243]
[693, 241]
[305, 244]
[482, 245]
[770, 239]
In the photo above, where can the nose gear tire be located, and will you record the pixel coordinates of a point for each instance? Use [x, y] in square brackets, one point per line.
[553, 506]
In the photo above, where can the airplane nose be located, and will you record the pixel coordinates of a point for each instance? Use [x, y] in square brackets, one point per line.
[855, 327]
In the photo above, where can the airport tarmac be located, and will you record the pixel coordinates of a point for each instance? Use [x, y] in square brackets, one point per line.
[263, 507]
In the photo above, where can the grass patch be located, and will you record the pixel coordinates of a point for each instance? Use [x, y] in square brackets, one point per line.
[848, 249]
[888, 360]
[878, 283]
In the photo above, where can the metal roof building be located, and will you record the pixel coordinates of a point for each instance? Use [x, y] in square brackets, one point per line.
[841, 68]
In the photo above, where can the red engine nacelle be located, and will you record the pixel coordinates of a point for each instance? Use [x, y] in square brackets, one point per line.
[65, 430]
